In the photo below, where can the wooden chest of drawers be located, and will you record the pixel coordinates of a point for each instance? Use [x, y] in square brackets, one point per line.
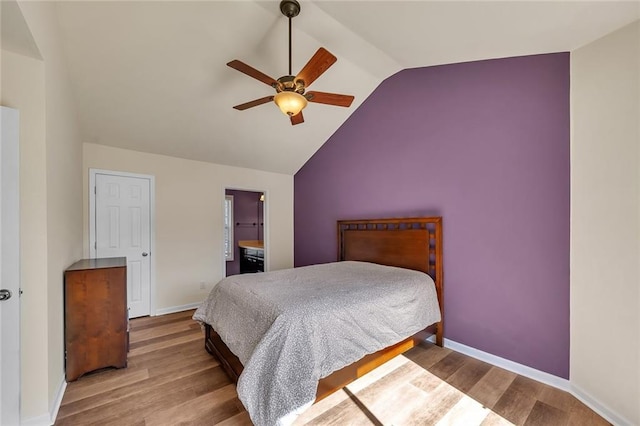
[96, 316]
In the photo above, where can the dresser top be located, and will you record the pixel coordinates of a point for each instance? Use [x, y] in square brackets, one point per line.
[107, 262]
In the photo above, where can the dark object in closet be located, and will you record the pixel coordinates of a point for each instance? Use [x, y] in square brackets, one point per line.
[251, 260]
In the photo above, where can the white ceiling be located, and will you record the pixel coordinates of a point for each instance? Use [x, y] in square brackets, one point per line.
[151, 76]
[14, 31]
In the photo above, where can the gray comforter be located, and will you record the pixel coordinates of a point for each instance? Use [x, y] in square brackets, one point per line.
[290, 328]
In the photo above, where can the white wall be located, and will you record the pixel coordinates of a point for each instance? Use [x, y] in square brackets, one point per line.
[23, 89]
[605, 223]
[50, 203]
[189, 216]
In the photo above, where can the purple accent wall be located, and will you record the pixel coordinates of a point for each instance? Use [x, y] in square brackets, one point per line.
[486, 146]
[247, 209]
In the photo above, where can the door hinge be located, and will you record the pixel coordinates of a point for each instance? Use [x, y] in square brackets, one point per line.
[95, 245]
[95, 189]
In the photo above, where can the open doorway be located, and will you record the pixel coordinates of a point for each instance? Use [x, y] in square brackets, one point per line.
[244, 232]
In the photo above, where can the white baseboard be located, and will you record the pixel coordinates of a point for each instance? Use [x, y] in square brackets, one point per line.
[515, 367]
[600, 408]
[546, 378]
[49, 418]
[174, 309]
[43, 420]
[53, 410]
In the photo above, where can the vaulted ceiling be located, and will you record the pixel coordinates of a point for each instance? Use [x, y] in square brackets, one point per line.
[151, 75]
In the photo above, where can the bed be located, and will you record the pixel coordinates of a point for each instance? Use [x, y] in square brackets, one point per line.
[371, 249]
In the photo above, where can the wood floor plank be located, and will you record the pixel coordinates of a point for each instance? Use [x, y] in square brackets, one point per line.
[240, 419]
[466, 412]
[101, 376]
[130, 414]
[162, 330]
[427, 354]
[171, 379]
[153, 358]
[581, 415]
[516, 402]
[108, 400]
[448, 365]
[387, 384]
[441, 401]
[158, 339]
[146, 399]
[544, 414]
[211, 382]
[495, 420]
[491, 386]
[425, 381]
[558, 398]
[469, 374]
[148, 321]
[527, 386]
[412, 400]
[222, 412]
[345, 413]
[209, 405]
[76, 393]
[164, 344]
[122, 411]
[179, 361]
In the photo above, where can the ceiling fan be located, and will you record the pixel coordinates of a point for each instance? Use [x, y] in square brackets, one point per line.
[290, 90]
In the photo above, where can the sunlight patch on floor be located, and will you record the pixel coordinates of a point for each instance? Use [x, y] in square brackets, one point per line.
[402, 392]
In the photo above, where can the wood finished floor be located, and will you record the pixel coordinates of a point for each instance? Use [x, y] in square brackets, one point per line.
[172, 380]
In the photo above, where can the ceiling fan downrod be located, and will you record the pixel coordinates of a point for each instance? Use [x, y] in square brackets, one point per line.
[290, 9]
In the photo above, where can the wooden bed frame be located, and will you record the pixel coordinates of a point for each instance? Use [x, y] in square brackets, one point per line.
[411, 243]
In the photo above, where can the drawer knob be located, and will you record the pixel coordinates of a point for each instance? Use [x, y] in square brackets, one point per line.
[5, 294]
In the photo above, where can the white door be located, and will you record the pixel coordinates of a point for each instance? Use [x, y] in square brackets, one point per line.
[9, 270]
[123, 229]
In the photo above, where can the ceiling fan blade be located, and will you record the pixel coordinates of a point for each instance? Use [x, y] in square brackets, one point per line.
[253, 103]
[318, 64]
[252, 72]
[297, 119]
[329, 98]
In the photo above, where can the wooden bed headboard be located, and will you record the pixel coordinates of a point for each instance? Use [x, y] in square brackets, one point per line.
[410, 243]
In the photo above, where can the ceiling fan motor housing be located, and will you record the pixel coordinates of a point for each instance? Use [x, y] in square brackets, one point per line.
[290, 8]
[288, 83]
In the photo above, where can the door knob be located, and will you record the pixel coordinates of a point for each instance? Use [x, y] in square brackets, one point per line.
[5, 294]
[145, 254]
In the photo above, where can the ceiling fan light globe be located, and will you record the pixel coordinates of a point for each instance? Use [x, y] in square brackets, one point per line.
[290, 103]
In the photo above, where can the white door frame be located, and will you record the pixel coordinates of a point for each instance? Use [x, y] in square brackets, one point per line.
[10, 387]
[152, 223]
[265, 212]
